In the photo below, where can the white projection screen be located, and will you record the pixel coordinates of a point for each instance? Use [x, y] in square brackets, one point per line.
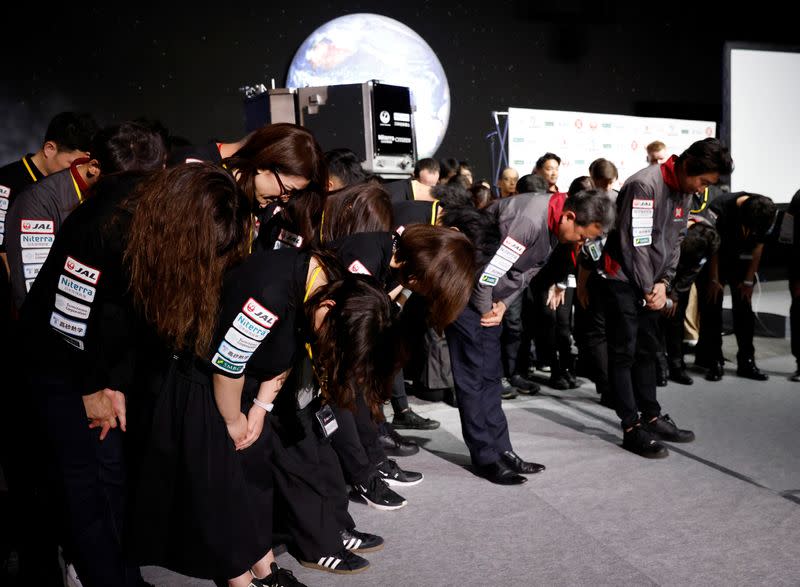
[761, 118]
[581, 137]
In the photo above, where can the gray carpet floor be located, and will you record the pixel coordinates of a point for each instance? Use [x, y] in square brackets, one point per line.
[723, 510]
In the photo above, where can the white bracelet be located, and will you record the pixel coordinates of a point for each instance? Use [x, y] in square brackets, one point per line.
[748, 283]
[263, 405]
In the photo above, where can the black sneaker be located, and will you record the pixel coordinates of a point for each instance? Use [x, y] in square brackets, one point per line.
[394, 475]
[747, 369]
[410, 420]
[558, 381]
[642, 443]
[278, 577]
[394, 444]
[508, 392]
[361, 541]
[663, 428]
[379, 495]
[343, 562]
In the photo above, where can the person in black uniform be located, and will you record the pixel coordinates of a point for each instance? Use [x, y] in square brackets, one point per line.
[201, 474]
[417, 187]
[743, 220]
[77, 313]
[639, 261]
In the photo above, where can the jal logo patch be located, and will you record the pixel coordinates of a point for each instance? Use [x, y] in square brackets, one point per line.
[36, 241]
[514, 245]
[85, 272]
[76, 288]
[36, 226]
[358, 267]
[290, 238]
[259, 313]
[647, 204]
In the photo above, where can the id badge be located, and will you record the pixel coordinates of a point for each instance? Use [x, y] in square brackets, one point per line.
[571, 280]
[594, 249]
[327, 420]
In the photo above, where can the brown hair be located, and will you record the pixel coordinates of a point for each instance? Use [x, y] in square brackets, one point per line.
[355, 346]
[291, 150]
[603, 173]
[190, 223]
[439, 264]
[363, 207]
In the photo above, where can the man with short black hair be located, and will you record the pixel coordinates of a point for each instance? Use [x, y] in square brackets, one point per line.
[639, 262]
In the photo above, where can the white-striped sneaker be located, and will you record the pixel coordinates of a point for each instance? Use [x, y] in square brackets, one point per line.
[361, 541]
[343, 562]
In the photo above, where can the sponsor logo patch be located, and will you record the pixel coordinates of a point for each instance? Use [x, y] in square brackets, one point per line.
[642, 231]
[31, 271]
[400, 229]
[501, 263]
[358, 267]
[643, 204]
[259, 313]
[36, 226]
[35, 255]
[290, 238]
[641, 222]
[241, 341]
[514, 245]
[5, 191]
[85, 272]
[642, 241]
[75, 288]
[225, 365]
[3, 215]
[246, 326]
[642, 213]
[192, 160]
[679, 213]
[507, 254]
[494, 270]
[487, 279]
[233, 354]
[63, 324]
[72, 308]
[36, 241]
[29, 284]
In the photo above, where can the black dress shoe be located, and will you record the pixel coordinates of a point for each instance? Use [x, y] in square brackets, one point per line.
[498, 472]
[680, 376]
[748, 369]
[715, 372]
[395, 445]
[516, 464]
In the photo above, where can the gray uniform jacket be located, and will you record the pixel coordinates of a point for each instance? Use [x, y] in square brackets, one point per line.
[644, 247]
[32, 223]
[527, 242]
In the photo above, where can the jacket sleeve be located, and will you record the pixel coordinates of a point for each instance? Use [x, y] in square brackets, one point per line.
[636, 215]
[29, 231]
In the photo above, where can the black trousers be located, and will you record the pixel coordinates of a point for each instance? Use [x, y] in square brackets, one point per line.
[672, 333]
[554, 332]
[632, 334]
[709, 345]
[356, 442]
[91, 474]
[511, 337]
[311, 497]
[590, 328]
[475, 357]
[794, 312]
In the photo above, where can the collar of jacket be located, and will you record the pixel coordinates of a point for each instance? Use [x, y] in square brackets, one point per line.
[554, 209]
[668, 173]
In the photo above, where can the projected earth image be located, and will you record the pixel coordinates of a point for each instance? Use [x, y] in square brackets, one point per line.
[360, 47]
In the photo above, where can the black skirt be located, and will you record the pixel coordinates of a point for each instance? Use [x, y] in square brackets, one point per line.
[199, 507]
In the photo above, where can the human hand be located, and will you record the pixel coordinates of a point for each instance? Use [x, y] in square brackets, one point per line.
[669, 309]
[555, 297]
[99, 410]
[745, 291]
[237, 429]
[494, 316]
[656, 298]
[255, 424]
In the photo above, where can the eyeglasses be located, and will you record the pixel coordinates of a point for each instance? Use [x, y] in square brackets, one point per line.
[284, 191]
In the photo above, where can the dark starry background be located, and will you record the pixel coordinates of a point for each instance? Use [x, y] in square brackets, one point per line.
[183, 63]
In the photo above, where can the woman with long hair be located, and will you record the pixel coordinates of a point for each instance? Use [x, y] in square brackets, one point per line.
[202, 500]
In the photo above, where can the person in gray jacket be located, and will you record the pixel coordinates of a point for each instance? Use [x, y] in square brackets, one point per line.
[530, 226]
[639, 263]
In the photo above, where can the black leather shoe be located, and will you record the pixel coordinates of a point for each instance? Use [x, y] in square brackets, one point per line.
[499, 473]
[680, 376]
[516, 464]
[664, 428]
[395, 445]
[715, 372]
[748, 370]
[661, 380]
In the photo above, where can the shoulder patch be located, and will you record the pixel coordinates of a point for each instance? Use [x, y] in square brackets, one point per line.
[82, 271]
[358, 267]
[259, 313]
[641, 203]
[32, 225]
